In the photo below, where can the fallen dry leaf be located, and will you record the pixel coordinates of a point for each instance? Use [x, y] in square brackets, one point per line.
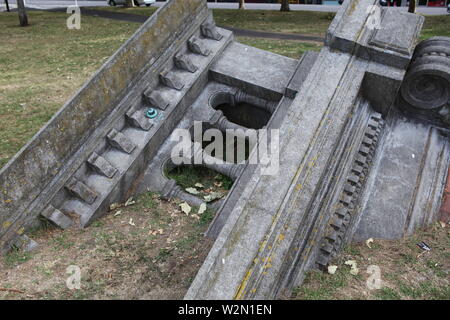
[115, 206]
[192, 190]
[185, 208]
[353, 267]
[332, 269]
[368, 242]
[129, 202]
[213, 196]
[196, 216]
[202, 208]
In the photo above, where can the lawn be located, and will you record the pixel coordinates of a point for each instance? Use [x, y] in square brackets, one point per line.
[302, 22]
[291, 22]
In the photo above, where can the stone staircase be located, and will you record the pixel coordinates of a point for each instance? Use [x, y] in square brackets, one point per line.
[88, 191]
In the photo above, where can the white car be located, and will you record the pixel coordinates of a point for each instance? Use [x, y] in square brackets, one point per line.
[136, 2]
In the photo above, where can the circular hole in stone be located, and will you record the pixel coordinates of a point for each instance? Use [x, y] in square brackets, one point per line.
[242, 113]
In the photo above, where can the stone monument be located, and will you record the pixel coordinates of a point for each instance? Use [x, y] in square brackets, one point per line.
[363, 141]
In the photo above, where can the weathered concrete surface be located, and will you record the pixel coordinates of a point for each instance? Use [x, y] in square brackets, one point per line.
[408, 182]
[256, 69]
[278, 227]
[356, 159]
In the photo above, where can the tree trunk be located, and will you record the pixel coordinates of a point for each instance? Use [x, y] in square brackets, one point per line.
[22, 13]
[412, 6]
[129, 3]
[285, 6]
[241, 4]
[7, 5]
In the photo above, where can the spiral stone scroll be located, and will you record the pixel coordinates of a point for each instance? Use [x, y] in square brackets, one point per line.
[426, 87]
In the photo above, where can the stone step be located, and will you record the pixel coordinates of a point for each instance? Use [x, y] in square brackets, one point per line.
[57, 217]
[156, 99]
[184, 62]
[81, 191]
[138, 119]
[198, 46]
[101, 165]
[209, 30]
[171, 80]
[120, 141]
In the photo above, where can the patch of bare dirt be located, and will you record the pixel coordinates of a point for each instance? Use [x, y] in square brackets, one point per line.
[148, 250]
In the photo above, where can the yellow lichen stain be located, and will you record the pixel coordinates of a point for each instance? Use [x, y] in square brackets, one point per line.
[281, 237]
[8, 201]
[21, 231]
[263, 244]
[6, 224]
[353, 5]
[253, 290]
[241, 289]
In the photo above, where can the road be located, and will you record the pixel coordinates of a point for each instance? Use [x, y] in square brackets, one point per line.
[49, 4]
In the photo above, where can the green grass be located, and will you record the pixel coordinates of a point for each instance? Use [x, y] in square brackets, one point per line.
[387, 294]
[42, 65]
[406, 272]
[292, 49]
[301, 22]
[196, 233]
[16, 257]
[436, 26]
[321, 286]
[187, 176]
[61, 242]
[304, 22]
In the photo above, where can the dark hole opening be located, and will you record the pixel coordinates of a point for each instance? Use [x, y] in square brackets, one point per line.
[247, 148]
[245, 114]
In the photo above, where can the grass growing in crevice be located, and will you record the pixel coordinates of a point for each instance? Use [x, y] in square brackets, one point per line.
[212, 181]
